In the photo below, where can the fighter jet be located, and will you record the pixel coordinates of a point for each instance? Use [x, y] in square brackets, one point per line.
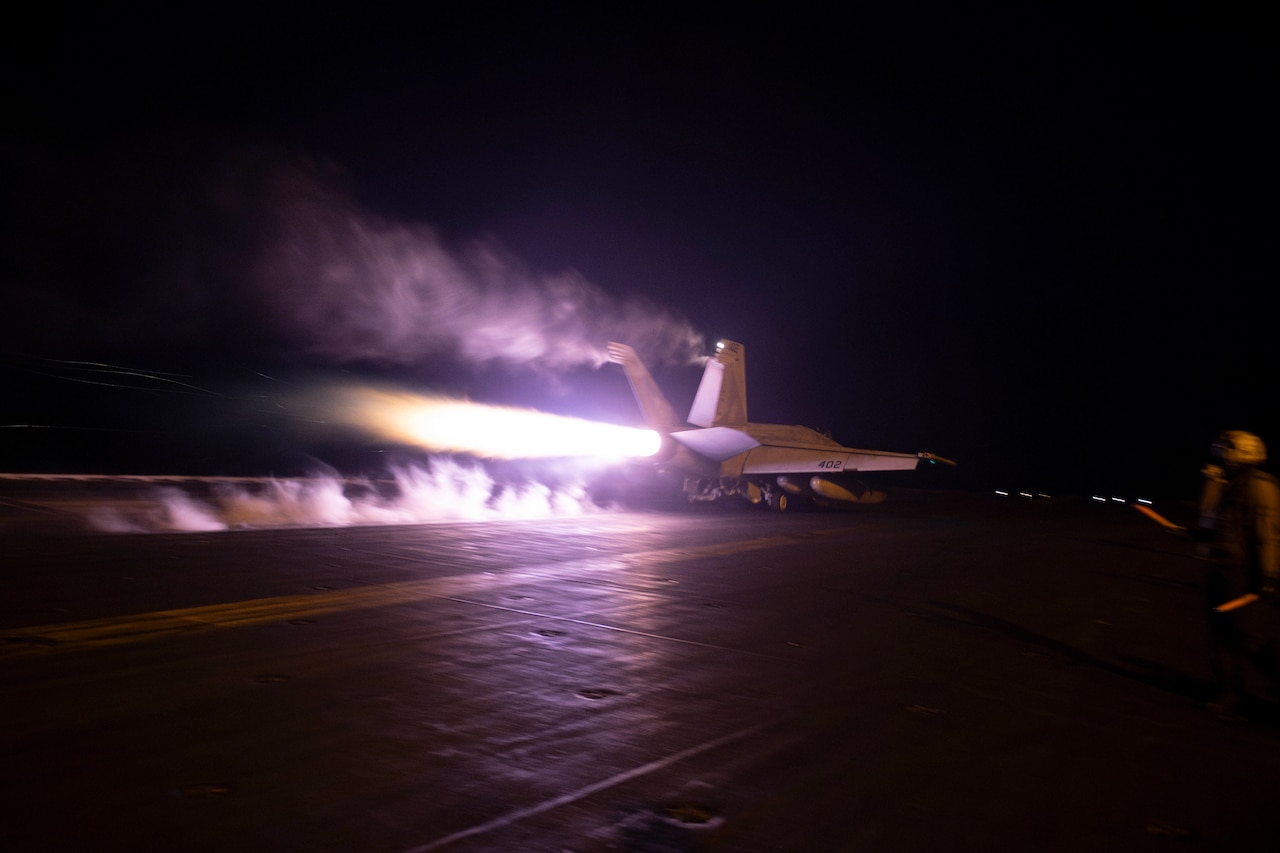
[720, 453]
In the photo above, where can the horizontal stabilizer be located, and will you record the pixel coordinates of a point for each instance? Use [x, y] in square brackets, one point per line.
[718, 443]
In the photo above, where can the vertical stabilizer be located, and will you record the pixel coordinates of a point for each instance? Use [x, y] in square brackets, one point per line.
[722, 395]
[657, 411]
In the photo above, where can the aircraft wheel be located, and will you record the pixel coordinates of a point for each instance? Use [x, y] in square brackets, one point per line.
[779, 501]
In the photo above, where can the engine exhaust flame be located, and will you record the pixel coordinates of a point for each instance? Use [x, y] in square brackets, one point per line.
[492, 432]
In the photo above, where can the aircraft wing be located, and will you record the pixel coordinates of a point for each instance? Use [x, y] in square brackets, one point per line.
[799, 460]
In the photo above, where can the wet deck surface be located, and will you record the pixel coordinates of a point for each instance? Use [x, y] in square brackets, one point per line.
[949, 671]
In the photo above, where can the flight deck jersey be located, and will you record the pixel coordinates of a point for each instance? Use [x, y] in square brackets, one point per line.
[1247, 529]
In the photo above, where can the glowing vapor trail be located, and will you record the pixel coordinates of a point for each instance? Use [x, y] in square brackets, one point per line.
[491, 432]
[345, 285]
[277, 253]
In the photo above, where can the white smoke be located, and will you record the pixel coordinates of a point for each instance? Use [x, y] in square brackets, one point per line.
[346, 285]
[443, 491]
[171, 510]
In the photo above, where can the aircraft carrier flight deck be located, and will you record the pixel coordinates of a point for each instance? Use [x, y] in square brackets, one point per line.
[945, 670]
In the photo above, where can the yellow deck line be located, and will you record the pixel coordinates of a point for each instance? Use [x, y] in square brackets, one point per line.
[141, 627]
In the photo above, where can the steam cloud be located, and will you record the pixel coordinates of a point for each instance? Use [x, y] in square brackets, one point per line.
[442, 491]
[271, 254]
[346, 285]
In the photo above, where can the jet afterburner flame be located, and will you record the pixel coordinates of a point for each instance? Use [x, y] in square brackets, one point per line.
[444, 424]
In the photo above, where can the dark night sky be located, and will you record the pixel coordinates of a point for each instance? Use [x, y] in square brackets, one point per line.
[1032, 241]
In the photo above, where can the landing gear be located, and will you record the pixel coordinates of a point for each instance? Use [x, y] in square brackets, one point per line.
[753, 492]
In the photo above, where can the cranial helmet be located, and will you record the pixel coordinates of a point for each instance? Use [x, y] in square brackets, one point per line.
[1236, 447]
